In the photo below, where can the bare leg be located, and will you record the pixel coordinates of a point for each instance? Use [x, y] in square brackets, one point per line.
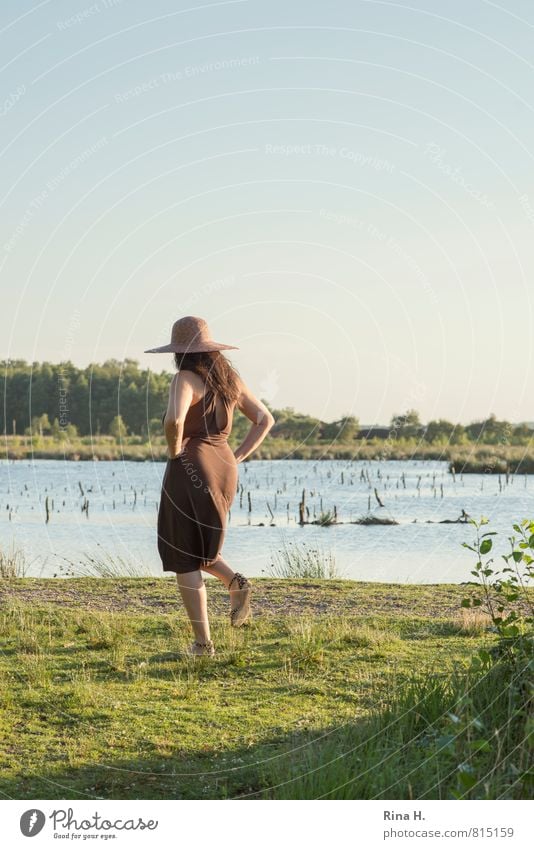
[221, 570]
[195, 598]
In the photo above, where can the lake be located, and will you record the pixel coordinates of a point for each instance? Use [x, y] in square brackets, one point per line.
[120, 499]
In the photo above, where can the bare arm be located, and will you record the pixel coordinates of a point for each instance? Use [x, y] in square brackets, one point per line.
[262, 422]
[180, 398]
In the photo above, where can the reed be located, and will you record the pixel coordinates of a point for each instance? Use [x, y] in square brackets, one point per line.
[103, 564]
[299, 560]
[13, 563]
[472, 457]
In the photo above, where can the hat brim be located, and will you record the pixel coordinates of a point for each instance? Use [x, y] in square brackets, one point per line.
[205, 347]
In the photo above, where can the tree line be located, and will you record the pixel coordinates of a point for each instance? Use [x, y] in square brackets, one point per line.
[119, 398]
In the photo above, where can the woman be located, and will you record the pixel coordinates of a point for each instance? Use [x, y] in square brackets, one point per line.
[201, 476]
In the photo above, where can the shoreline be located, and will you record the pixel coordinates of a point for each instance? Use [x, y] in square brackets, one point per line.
[473, 459]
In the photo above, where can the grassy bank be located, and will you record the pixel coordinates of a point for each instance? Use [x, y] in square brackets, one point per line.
[337, 689]
[475, 457]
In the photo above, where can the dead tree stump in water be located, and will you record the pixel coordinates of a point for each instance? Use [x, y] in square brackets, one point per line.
[380, 503]
[302, 508]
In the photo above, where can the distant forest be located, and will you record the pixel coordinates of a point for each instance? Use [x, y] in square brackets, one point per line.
[119, 398]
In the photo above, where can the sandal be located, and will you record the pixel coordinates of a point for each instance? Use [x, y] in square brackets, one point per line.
[240, 613]
[197, 649]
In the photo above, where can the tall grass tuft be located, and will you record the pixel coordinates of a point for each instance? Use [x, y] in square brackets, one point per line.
[104, 565]
[13, 563]
[326, 518]
[299, 560]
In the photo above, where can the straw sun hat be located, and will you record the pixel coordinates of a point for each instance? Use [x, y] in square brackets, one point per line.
[190, 335]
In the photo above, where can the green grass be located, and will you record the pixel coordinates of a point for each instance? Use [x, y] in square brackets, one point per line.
[471, 457]
[336, 689]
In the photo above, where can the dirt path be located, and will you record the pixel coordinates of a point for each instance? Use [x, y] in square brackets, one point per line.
[272, 597]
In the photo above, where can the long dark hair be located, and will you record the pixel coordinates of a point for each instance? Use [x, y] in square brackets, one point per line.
[215, 370]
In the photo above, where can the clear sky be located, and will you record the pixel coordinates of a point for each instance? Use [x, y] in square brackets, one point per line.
[344, 190]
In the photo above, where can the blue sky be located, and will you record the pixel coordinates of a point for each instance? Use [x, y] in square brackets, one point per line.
[343, 190]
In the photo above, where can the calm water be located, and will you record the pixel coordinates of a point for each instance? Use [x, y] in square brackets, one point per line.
[123, 499]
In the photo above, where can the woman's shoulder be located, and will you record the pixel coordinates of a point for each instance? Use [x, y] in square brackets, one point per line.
[190, 378]
[187, 375]
[240, 384]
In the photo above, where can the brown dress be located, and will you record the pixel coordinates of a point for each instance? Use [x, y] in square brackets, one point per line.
[198, 488]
